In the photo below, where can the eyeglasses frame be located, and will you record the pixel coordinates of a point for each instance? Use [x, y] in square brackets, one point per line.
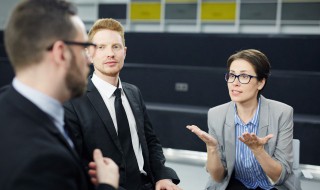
[237, 76]
[84, 44]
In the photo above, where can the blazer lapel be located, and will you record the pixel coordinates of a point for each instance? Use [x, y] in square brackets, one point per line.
[229, 136]
[263, 119]
[62, 139]
[41, 117]
[136, 109]
[103, 112]
[138, 115]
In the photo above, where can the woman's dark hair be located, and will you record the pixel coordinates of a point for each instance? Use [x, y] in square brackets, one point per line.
[257, 59]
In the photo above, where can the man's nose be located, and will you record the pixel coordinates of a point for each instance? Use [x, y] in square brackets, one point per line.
[109, 52]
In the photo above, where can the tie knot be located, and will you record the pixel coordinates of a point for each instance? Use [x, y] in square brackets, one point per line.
[117, 93]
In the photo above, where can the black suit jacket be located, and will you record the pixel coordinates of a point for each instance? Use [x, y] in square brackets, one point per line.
[34, 153]
[93, 127]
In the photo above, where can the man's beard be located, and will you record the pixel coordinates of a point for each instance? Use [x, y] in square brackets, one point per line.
[76, 84]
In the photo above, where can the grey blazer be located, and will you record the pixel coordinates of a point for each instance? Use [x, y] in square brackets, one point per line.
[274, 118]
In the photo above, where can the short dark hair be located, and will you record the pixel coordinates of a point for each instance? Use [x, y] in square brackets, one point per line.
[257, 59]
[33, 26]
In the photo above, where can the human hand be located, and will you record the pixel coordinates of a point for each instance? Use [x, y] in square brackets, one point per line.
[254, 142]
[204, 136]
[166, 184]
[103, 170]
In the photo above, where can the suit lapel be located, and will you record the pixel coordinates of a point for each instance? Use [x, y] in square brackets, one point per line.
[136, 109]
[62, 139]
[229, 136]
[40, 117]
[103, 112]
[263, 118]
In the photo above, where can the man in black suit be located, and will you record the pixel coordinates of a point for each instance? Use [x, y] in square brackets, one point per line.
[45, 41]
[95, 117]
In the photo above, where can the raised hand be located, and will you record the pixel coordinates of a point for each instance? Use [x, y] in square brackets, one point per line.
[103, 170]
[254, 142]
[204, 136]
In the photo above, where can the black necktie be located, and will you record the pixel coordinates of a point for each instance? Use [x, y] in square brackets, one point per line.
[124, 135]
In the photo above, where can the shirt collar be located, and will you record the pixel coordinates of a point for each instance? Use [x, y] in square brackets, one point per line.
[104, 87]
[255, 118]
[46, 103]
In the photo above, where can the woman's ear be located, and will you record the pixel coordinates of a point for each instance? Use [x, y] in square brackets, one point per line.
[261, 83]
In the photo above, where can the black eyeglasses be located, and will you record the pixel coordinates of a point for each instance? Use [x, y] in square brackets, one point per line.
[242, 78]
[84, 44]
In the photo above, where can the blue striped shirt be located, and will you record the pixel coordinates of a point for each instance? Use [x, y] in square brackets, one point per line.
[247, 168]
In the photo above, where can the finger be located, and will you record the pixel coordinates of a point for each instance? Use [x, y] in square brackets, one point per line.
[92, 165]
[245, 133]
[193, 128]
[242, 139]
[267, 138]
[92, 173]
[94, 181]
[246, 136]
[254, 137]
[97, 156]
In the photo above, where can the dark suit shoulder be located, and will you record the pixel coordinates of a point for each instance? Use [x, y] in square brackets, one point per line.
[4, 88]
[130, 86]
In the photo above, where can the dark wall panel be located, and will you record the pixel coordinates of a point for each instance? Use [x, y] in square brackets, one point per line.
[116, 11]
[6, 72]
[301, 11]
[207, 87]
[212, 50]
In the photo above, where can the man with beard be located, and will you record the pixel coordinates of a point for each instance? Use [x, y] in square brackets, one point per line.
[46, 43]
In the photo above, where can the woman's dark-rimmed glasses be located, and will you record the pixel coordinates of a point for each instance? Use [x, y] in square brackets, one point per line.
[242, 78]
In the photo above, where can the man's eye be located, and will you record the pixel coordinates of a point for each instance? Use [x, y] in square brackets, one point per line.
[116, 46]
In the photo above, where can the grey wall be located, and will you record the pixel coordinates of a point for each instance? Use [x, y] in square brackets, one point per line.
[6, 7]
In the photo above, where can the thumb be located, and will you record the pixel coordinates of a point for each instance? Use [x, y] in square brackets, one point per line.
[97, 156]
[267, 138]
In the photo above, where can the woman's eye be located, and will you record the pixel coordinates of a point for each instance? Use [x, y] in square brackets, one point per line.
[244, 76]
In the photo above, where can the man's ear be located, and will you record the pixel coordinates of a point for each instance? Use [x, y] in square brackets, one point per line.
[60, 53]
[125, 51]
[89, 55]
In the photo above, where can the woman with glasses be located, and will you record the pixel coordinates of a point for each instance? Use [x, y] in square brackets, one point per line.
[249, 145]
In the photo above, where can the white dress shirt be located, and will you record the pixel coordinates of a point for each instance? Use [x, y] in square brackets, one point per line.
[106, 91]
